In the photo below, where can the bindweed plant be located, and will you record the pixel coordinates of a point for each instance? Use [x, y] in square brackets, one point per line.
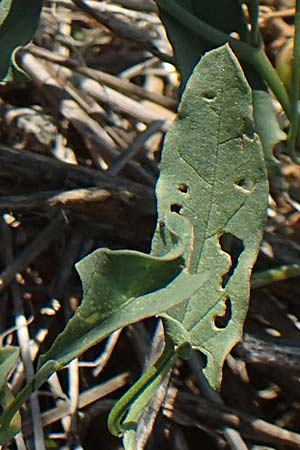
[212, 197]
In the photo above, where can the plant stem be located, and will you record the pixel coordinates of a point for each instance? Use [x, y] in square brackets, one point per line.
[294, 92]
[259, 60]
[15, 405]
[140, 395]
[266, 277]
[40, 377]
[253, 8]
[253, 55]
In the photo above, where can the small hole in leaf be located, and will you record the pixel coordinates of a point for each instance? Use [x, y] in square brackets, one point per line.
[203, 359]
[162, 223]
[222, 321]
[233, 246]
[248, 128]
[175, 207]
[183, 188]
[245, 183]
[209, 95]
[162, 230]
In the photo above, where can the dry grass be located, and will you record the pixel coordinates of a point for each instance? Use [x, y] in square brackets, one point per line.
[79, 159]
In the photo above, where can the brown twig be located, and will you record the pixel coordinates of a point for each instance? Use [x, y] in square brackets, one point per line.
[188, 409]
[48, 235]
[112, 81]
[85, 398]
[124, 30]
[23, 341]
[232, 436]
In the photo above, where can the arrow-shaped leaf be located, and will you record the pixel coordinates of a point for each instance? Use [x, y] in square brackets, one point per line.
[120, 288]
[213, 175]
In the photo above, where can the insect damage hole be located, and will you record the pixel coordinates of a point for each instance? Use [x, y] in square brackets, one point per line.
[223, 320]
[176, 207]
[234, 247]
[202, 360]
[209, 95]
[183, 188]
[245, 183]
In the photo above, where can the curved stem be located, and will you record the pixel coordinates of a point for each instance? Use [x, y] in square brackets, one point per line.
[254, 55]
[140, 395]
[197, 25]
[259, 60]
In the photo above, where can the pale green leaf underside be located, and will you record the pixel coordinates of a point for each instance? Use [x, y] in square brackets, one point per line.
[213, 172]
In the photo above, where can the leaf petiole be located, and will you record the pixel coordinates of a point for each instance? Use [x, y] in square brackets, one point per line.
[140, 394]
[253, 55]
[253, 9]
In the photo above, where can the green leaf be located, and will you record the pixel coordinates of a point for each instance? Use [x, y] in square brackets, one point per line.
[18, 22]
[120, 288]
[10, 419]
[8, 359]
[213, 176]
[267, 126]
[225, 15]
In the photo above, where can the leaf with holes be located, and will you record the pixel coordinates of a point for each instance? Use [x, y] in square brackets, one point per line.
[213, 176]
[189, 46]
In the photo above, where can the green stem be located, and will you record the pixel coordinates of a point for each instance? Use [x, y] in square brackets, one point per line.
[15, 406]
[253, 55]
[259, 60]
[294, 92]
[40, 378]
[253, 8]
[139, 395]
[192, 22]
[266, 277]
